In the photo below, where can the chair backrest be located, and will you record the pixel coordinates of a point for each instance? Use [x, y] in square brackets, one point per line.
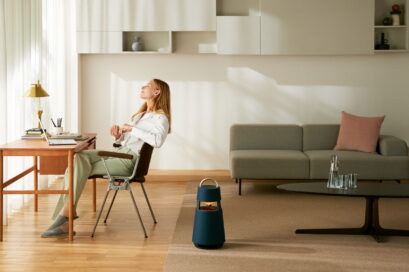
[144, 161]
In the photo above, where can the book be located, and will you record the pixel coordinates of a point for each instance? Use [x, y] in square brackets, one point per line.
[73, 136]
[31, 137]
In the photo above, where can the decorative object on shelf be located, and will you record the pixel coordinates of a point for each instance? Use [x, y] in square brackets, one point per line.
[384, 43]
[396, 11]
[37, 93]
[137, 44]
[387, 21]
[208, 229]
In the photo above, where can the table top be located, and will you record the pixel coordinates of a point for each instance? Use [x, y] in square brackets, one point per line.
[367, 189]
[42, 144]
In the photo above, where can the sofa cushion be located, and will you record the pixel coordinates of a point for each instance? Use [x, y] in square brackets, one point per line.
[359, 133]
[369, 166]
[320, 137]
[262, 136]
[269, 164]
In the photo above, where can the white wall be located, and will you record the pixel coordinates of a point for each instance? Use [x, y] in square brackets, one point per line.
[210, 93]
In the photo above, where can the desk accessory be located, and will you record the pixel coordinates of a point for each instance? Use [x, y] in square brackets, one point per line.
[38, 94]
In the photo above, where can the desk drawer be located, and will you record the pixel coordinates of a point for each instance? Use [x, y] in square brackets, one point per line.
[57, 165]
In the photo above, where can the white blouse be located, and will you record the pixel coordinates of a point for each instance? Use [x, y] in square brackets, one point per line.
[152, 128]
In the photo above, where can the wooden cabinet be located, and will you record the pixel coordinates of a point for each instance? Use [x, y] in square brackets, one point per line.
[319, 27]
[238, 35]
[146, 15]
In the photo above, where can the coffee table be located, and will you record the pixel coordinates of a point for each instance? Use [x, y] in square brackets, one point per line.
[371, 191]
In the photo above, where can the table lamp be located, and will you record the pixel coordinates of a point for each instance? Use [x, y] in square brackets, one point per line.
[37, 92]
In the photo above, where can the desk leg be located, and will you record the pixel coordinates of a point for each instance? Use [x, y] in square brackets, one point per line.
[1, 195]
[35, 162]
[94, 194]
[70, 195]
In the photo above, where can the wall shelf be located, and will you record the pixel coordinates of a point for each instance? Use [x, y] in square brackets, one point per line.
[153, 41]
[240, 27]
[238, 8]
[392, 51]
[390, 26]
[396, 35]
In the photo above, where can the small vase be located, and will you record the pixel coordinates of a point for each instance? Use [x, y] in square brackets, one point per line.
[395, 19]
[137, 44]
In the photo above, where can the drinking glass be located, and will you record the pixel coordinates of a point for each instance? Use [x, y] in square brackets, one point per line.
[344, 182]
[353, 180]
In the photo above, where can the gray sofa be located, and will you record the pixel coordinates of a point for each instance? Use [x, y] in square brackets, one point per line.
[285, 152]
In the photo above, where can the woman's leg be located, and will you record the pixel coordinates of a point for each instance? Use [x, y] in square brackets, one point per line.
[83, 162]
[88, 163]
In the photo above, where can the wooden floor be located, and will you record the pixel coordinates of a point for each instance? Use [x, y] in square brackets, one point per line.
[117, 245]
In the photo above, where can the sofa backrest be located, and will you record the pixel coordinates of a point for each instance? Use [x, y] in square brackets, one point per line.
[320, 137]
[265, 136]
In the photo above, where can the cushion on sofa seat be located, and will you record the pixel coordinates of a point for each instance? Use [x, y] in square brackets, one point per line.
[263, 136]
[320, 136]
[369, 166]
[269, 164]
[359, 133]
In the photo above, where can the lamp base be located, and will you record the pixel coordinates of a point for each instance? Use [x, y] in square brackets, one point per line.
[208, 246]
[39, 114]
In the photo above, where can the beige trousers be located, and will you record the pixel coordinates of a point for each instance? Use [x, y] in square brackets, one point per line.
[87, 163]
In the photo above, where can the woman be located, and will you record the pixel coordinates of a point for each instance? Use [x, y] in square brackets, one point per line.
[150, 124]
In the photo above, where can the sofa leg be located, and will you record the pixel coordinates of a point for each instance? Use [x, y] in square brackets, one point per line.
[239, 186]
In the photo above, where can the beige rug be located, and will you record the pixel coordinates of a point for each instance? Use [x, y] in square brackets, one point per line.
[260, 234]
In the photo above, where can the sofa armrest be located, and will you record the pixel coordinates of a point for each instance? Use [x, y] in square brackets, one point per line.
[392, 146]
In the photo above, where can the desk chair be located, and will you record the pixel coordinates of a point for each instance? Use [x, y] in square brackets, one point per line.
[117, 183]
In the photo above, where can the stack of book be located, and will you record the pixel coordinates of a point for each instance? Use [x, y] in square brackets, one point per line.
[32, 133]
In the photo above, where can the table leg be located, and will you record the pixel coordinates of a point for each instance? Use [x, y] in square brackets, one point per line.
[350, 231]
[94, 194]
[35, 162]
[370, 227]
[1, 195]
[70, 195]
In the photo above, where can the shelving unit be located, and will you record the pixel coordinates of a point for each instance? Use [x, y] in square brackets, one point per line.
[396, 35]
[240, 27]
[153, 41]
[238, 7]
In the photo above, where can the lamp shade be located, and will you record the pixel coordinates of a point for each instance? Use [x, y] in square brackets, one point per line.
[36, 91]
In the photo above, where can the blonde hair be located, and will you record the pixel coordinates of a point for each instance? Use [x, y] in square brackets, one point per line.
[161, 103]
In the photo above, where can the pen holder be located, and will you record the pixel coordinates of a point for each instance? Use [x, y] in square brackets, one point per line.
[58, 130]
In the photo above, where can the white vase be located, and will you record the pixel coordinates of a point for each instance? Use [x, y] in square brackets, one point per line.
[395, 19]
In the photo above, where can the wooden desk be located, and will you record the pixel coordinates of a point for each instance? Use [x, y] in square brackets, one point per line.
[39, 148]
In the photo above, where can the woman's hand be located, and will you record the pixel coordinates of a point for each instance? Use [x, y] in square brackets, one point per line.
[116, 131]
[126, 128]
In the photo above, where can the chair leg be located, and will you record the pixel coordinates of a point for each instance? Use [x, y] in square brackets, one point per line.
[100, 212]
[137, 211]
[94, 195]
[239, 186]
[149, 204]
[110, 206]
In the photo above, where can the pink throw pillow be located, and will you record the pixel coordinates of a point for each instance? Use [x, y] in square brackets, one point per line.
[358, 133]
